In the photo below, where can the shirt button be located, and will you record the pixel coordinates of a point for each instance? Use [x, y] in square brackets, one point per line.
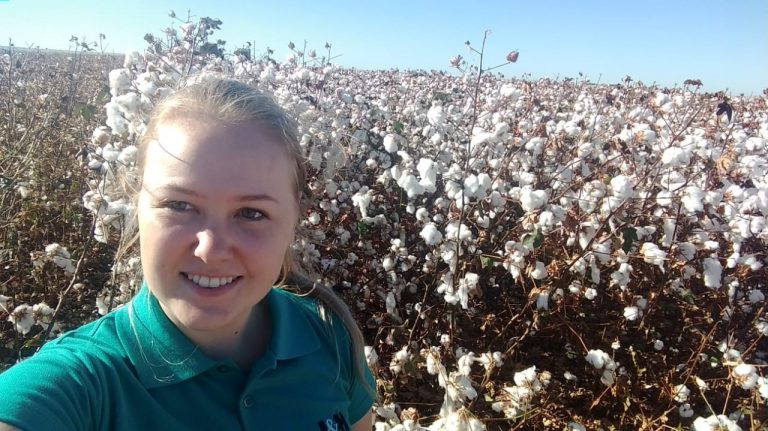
[247, 401]
[223, 369]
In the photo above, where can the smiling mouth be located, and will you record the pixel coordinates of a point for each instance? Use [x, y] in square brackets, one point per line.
[211, 282]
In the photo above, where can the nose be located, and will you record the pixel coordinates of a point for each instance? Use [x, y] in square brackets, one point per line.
[213, 245]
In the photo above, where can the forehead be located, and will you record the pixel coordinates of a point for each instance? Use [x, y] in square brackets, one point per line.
[199, 151]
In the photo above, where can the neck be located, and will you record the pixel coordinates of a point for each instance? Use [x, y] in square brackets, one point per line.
[243, 345]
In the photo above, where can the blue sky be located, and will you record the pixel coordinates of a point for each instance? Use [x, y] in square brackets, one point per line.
[725, 44]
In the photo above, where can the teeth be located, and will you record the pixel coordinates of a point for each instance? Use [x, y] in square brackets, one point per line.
[210, 282]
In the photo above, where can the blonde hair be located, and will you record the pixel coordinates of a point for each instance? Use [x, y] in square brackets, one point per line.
[234, 102]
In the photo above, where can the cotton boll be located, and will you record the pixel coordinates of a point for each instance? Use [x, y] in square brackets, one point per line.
[532, 199]
[756, 296]
[608, 378]
[399, 359]
[388, 263]
[390, 143]
[454, 231]
[527, 378]
[713, 423]
[745, 375]
[664, 198]
[371, 357]
[762, 327]
[480, 136]
[470, 186]
[661, 99]
[109, 153]
[713, 271]
[100, 136]
[145, 83]
[130, 104]
[658, 345]
[535, 145]
[115, 120]
[571, 129]
[42, 313]
[542, 301]
[497, 201]
[590, 293]
[681, 393]
[434, 365]
[676, 157]
[622, 187]
[431, 234]
[653, 255]
[436, 115]
[686, 250]
[119, 81]
[422, 214]
[390, 304]
[428, 174]
[128, 155]
[598, 358]
[314, 218]
[693, 200]
[540, 271]
[763, 387]
[685, 410]
[362, 199]
[23, 318]
[510, 92]
[632, 313]
[411, 185]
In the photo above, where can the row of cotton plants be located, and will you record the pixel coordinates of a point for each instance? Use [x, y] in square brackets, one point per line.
[505, 243]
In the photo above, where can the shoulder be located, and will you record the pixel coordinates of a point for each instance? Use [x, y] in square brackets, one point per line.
[67, 380]
[97, 340]
[318, 314]
[77, 353]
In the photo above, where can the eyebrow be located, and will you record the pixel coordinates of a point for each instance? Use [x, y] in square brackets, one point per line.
[244, 198]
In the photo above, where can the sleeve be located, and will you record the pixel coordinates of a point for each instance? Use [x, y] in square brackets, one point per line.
[360, 392]
[50, 390]
[360, 400]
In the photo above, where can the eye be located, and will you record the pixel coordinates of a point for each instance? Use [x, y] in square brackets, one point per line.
[179, 206]
[251, 214]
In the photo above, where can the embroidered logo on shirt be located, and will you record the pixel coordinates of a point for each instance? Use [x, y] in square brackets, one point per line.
[334, 423]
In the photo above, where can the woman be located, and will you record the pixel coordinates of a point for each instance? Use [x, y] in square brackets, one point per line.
[208, 342]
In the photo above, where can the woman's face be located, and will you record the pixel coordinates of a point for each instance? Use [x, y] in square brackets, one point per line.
[216, 212]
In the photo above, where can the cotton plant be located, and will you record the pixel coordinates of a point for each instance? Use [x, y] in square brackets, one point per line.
[715, 423]
[56, 254]
[24, 316]
[604, 364]
[516, 400]
[458, 386]
[403, 176]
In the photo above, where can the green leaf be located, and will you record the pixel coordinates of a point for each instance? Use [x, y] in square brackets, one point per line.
[688, 296]
[32, 343]
[104, 95]
[630, 236]
[398, 127]
[86, 110]
[534, 239]
[361, 227]
[485, 261]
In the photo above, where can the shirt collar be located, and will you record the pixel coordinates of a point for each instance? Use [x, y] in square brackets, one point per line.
[163, 355]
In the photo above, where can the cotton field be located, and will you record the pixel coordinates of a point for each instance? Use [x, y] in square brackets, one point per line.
[521, 254]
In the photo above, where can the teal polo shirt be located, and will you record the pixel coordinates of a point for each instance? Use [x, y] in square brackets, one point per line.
[134, 370]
